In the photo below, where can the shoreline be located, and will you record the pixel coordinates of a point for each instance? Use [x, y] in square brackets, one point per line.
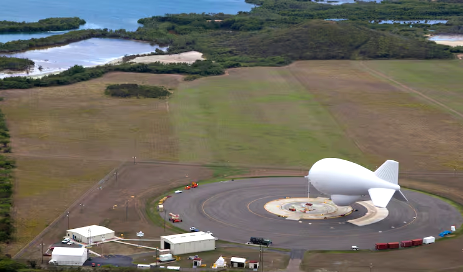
[185, 57]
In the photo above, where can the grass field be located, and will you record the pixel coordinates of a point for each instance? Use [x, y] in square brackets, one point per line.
[256, 116]
[67, 138]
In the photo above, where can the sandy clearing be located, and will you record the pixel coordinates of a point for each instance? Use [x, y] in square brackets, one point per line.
[450, 43]
[187, 57]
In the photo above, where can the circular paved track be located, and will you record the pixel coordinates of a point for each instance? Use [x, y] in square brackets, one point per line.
[234, 211]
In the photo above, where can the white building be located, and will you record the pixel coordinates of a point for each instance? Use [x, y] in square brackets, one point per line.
[90, 234]
[188, 242]
[69, 256]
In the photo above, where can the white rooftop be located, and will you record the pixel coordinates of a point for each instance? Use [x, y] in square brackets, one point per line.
[69, 251]
[237, 260]
[188, 237]
[94, 230]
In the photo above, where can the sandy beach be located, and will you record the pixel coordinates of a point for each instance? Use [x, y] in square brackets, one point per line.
[187, 57]
[450, 43]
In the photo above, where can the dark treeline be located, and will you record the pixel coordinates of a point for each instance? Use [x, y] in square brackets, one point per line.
[49, 24]
[79, 73]
[386, 10]
[6, 186]
[15, 64]
[135, 90]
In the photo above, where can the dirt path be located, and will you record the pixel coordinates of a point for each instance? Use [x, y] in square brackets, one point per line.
[410, 90]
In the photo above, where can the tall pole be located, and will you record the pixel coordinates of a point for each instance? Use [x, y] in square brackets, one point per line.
[126, 209]
[42, 251]
[68, 219]
[165, 211]
[262, 259]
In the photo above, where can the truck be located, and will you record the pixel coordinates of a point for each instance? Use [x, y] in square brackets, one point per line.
[260, 241]
[175, 218]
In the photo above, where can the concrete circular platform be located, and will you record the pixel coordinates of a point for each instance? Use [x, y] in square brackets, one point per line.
[318, 208]
[234, 211]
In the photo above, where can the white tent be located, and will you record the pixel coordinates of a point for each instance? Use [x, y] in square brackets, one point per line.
[69, 255]
[220, 262]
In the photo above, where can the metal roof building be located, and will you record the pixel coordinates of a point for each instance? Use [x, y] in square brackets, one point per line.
[188, 242]
[90, 234]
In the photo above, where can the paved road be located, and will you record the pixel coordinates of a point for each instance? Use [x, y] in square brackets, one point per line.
[234, 211]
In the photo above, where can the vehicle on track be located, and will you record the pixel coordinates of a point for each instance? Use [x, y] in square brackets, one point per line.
[259, 241]
[178, 191]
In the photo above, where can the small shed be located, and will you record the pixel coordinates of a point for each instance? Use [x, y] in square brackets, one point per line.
[237, 262]
[253, 264]
[196, 262]
[188, 242]
[90, 234]
[69, 255]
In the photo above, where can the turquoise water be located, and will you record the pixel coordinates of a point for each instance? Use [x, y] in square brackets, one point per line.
[112, 14]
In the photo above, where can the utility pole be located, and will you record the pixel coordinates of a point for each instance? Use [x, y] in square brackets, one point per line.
[68, 219]
[126, 209]
[371, 266]
[134, 158]
[116, 175]
[42, 251]
[165, 211]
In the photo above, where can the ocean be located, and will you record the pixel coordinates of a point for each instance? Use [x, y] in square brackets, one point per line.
[112, 14]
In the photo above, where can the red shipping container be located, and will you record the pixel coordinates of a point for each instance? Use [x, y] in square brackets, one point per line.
[406, 243]
[393, 245]
[417, 242]
[380, 246]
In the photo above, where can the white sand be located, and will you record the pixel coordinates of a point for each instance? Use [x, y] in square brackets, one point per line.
[450, 43]
[187, 57]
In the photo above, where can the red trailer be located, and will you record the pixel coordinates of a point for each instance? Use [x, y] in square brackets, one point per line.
[393, 245]
[381, 246]
[417, 242]
[406, 243]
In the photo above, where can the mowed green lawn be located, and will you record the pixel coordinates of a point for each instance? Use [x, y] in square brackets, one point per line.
[256, 116]
[441, 80]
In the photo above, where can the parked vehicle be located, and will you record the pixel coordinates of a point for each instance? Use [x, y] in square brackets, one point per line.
[193, 229]
[260, 241]
[175, 218]
[65, 241]
[355, 248]
[70, 243]
[429, 240]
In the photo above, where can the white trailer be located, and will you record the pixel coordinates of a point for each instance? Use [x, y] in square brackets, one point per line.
[429, 240]
[69, 256]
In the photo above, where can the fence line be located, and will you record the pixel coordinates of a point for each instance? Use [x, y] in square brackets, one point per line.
[73, 205]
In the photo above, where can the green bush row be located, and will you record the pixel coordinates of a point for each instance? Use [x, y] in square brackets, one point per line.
[6, 179]
[135, 90]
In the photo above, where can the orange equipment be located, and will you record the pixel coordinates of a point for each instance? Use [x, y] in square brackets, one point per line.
[194, 184]
[187, 187]
[175, 218]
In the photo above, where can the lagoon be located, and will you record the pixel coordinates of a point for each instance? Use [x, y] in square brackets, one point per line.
[91, 52]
